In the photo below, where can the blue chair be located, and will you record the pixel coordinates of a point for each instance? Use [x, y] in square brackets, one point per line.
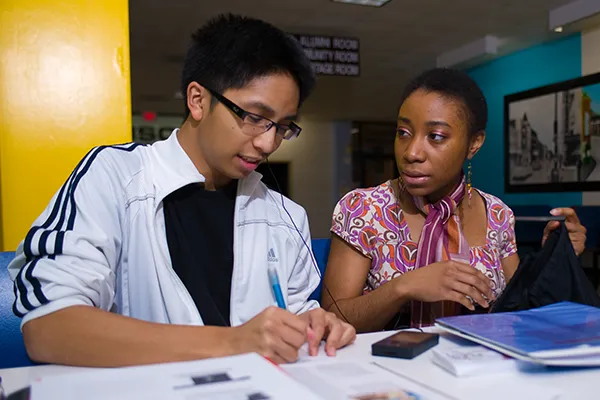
[540, 210]
[12, 348]
[321, 251]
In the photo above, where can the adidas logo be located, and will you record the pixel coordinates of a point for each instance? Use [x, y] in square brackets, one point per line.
[271, 256]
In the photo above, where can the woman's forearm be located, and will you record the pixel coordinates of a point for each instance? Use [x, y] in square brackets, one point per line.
[372, 311]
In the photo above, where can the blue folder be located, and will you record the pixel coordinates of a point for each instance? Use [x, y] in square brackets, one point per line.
[559, 334]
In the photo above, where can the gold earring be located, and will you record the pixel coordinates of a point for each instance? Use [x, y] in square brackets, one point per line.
[469, 185]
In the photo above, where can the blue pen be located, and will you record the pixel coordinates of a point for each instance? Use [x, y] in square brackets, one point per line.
[276, 288]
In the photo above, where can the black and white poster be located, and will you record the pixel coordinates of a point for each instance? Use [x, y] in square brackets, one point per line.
[552, 137]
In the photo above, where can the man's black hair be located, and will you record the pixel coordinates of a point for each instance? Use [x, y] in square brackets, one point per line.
[455, 85]
[230, 51]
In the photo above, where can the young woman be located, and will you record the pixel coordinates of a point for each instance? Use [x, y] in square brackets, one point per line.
[428, 243]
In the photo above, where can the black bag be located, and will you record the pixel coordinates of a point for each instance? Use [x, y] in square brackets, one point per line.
[549, 276]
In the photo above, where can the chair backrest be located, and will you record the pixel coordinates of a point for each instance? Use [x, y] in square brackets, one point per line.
[530, 232]
[12, 348]
[321, 251]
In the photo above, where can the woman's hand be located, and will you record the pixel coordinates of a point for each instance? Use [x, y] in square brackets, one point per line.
[577, 232]
[448, 280]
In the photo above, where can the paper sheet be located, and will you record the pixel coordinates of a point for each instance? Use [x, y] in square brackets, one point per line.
[338, 379]
[245, 377]
[335, 378]
[304, 357]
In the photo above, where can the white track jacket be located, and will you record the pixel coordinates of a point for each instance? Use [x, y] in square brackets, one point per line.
[101, 242]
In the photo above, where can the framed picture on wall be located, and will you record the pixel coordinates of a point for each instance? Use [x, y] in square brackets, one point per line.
[552, 137]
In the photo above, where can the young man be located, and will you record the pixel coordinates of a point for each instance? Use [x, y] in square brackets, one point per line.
[161, 253]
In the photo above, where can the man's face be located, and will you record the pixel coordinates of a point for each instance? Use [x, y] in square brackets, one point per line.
[226, 146]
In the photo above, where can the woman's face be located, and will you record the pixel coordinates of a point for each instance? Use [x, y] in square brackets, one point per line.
[432, 143]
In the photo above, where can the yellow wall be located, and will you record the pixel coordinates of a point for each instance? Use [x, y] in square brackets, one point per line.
[64, 88]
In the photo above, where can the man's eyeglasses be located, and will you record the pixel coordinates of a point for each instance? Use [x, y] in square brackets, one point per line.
[254, 124]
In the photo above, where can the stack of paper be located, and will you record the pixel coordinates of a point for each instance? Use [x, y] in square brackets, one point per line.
[562, 334]
[463, 361]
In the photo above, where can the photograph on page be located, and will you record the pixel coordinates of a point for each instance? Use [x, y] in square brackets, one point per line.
[219, 385]
[394, 395]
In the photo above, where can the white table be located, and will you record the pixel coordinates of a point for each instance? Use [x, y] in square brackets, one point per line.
[577, 384]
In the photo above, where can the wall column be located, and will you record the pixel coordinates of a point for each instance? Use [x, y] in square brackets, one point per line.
[64, 88]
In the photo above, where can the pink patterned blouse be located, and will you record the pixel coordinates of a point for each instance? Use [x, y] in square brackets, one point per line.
[372, 222]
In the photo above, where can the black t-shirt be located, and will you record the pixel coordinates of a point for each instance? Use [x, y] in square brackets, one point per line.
[199, 228]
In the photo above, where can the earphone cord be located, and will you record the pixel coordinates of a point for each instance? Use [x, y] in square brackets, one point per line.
[313, 259]
[310, 254]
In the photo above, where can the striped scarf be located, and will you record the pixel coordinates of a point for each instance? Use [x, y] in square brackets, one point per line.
[441, 239]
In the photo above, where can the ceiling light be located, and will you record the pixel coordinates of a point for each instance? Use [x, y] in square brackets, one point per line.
[558, 29]
[372, 3]
[572, 12]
